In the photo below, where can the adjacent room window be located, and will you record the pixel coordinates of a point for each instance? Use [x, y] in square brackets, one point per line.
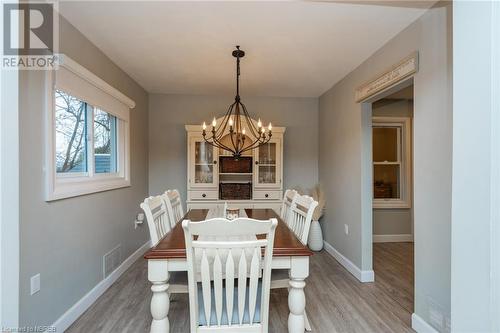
[87, 134]
[391, 162]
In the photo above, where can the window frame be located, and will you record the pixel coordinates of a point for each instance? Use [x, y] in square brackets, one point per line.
[66, 185]
[404, 161]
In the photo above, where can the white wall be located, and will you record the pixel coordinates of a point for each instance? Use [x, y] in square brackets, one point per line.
[9, 199]
[345, 134]
[475, 279]
[9, 195]
[65, 240]
[394, 221]
[167, 136]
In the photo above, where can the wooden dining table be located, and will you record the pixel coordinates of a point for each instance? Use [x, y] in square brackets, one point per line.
[169, 255]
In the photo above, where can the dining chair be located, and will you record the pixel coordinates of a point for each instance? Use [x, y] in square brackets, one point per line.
[299, 220]
[300, 217]
[155, 209]
[286, 206]
[174, 206]
[228, 279]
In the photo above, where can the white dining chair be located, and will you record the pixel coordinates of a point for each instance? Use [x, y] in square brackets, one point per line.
[174, 206]
[300, 217]
[159, 225]
[299, 221]
[286, 206]
[155, 210]
[228, 278]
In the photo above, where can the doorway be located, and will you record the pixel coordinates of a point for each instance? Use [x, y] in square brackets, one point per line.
[392, 193]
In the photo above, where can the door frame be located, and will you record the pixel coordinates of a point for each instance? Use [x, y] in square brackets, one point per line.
[367, 170]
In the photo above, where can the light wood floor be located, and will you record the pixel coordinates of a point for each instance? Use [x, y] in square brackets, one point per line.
[336, 301]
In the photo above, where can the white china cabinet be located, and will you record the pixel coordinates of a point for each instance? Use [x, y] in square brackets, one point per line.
[215, 177]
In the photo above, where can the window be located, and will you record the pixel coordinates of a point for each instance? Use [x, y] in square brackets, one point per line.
[391, 162]
[104, 142]
[87, 134]
[72, 140]
[71, 133]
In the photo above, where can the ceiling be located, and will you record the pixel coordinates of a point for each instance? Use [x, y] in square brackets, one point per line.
[293, 49]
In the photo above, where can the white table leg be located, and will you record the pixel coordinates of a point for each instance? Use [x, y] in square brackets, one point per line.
[307, 324]
[299, 271]
[160, 303]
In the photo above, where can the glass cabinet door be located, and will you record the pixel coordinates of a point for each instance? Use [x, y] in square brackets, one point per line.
[203, 164]
[267, 160]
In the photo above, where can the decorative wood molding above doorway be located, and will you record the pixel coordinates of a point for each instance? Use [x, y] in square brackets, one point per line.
[405, 68]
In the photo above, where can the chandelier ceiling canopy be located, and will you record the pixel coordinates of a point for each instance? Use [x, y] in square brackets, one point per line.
[243, 133]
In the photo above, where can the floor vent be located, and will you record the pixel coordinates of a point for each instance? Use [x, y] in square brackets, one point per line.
[111, 261]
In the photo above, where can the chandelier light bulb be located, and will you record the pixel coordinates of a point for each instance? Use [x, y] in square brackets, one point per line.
[231, 122]
[270, 127]
[243, 131]
[214, 122]
[259, 124]
[204, 126]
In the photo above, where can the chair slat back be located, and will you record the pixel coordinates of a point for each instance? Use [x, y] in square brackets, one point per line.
[230, 272]
[301, 215]
[174, 206]
[156, 214]
[288, 200]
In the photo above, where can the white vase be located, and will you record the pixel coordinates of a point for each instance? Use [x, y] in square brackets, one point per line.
[315, 236]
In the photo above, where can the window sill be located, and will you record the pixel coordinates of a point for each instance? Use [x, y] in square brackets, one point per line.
[68, 188]
[390, 204]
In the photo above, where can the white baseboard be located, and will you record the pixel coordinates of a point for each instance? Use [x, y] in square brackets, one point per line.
[392, 238]
[420, 325]
[73, 313]
[363, 276]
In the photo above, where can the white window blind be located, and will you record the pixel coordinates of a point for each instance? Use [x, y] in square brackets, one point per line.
[79, 82]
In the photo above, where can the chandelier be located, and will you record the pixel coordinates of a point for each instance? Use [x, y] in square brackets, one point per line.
[243, 133]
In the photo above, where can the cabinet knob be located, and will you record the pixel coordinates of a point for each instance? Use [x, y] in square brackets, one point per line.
[256, 162]
[215, 162]
[203, 195]
[266, 195]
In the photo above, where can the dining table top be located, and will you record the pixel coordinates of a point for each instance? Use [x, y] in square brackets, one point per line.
[173, 246]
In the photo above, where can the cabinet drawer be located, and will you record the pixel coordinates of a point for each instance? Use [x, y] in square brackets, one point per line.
[203, 195]
[267, 195]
